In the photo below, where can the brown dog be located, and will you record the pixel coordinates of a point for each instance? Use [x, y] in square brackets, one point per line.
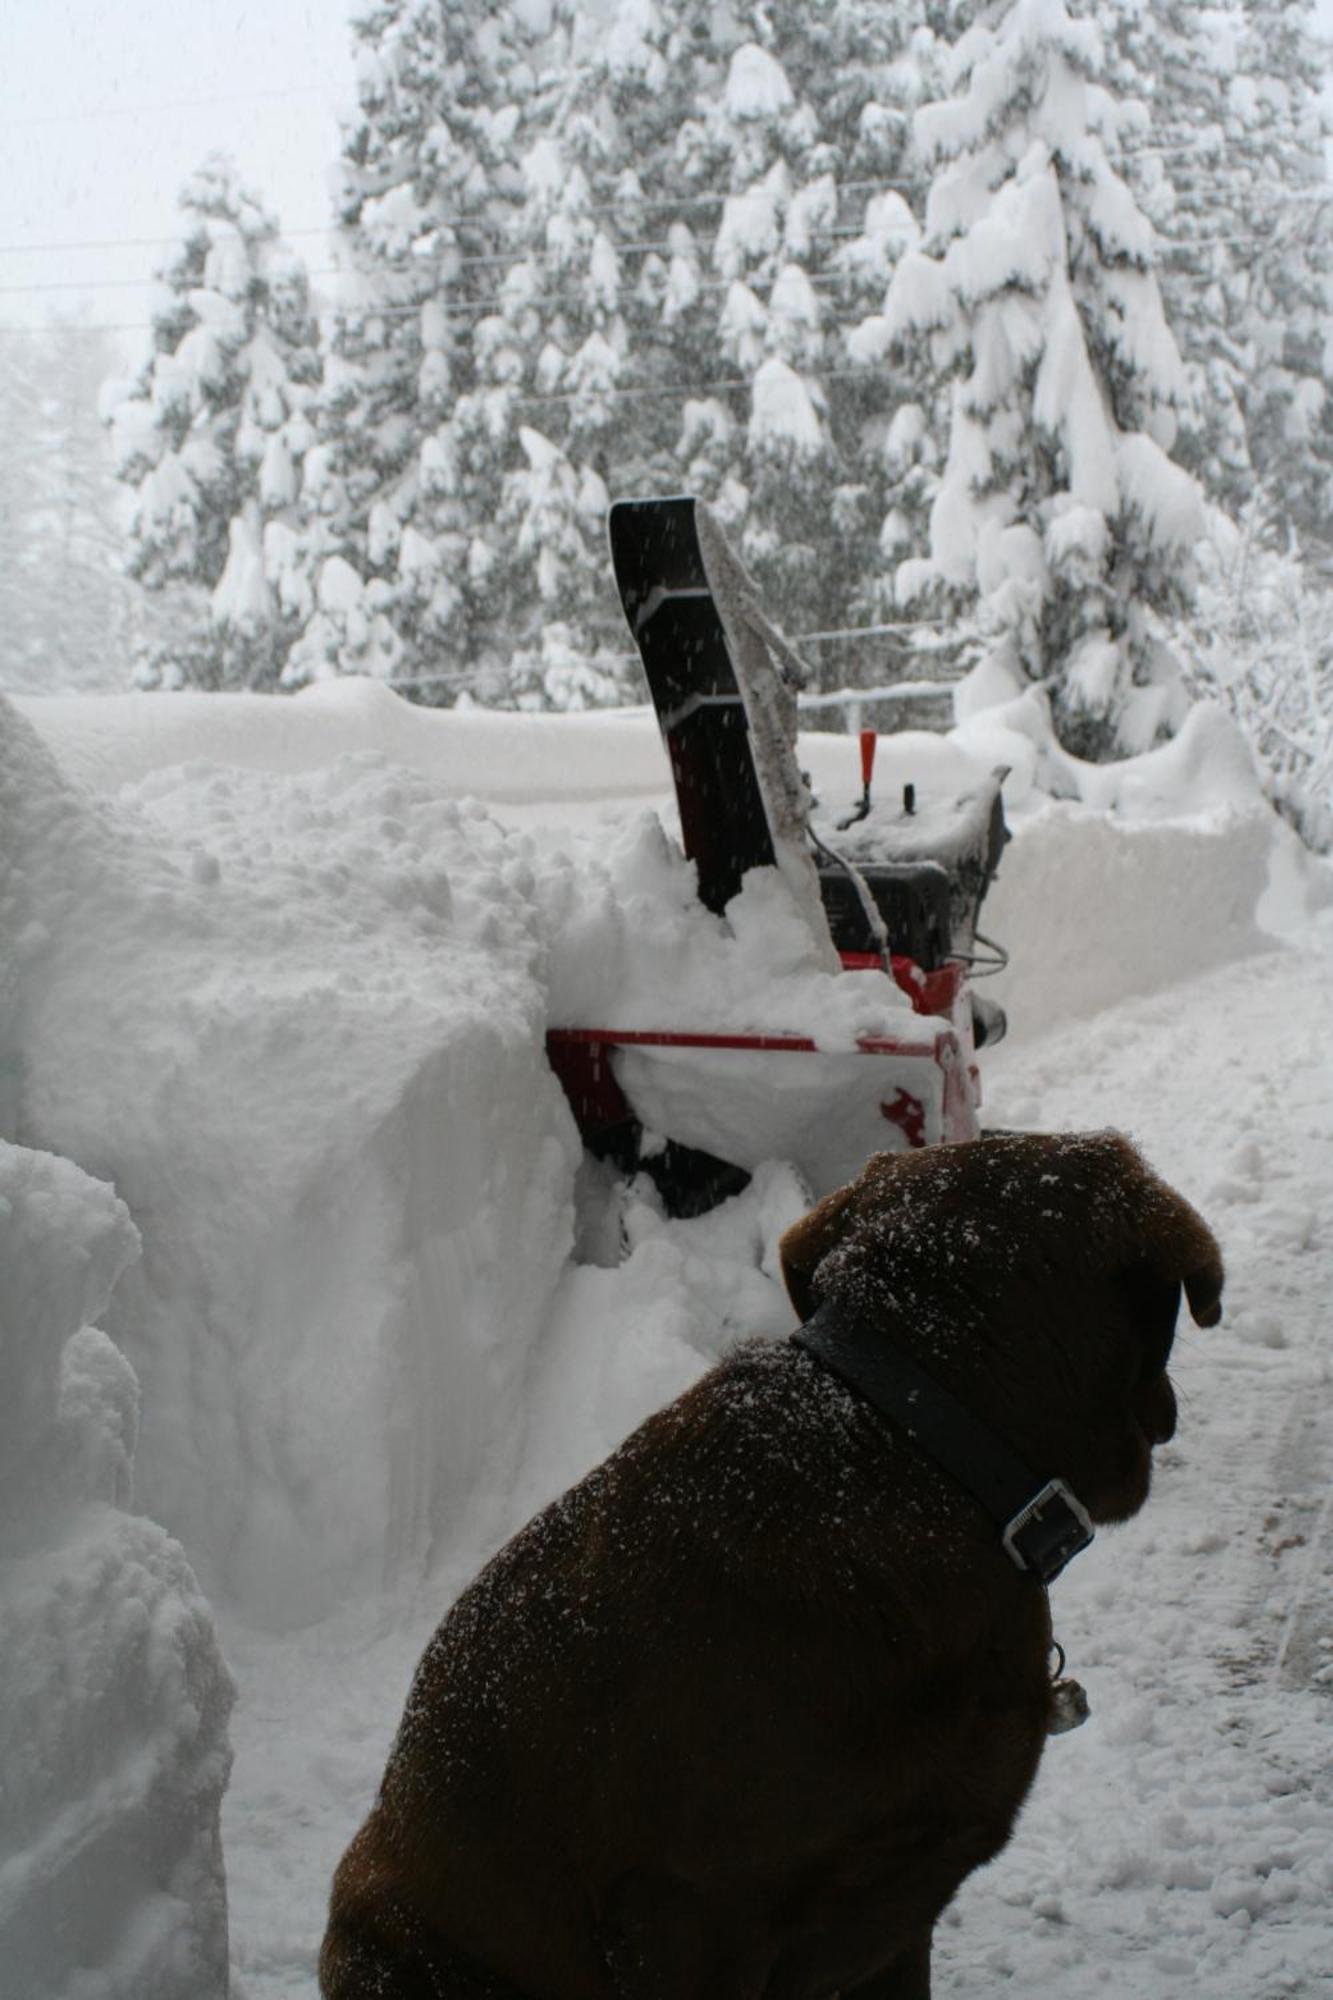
[736, 1715]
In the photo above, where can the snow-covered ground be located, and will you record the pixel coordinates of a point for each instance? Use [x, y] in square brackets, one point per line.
[291, 1006]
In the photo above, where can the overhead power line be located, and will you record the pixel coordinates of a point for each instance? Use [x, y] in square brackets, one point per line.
[895, 691]
[917, 185]
[1176, 246]
[532, 255]
[139, 242]
[87, 114]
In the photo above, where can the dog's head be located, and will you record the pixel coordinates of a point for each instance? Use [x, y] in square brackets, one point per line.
[1039, 1276]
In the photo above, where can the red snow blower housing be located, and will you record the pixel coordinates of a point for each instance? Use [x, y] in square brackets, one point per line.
[891, 886]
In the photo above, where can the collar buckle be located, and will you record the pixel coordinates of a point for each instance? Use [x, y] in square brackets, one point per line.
[1048, 1532]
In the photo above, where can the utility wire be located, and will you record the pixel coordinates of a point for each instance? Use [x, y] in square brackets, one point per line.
[916, 690]
[843, 232]
[142, 242]
[473, 221]
[1168, 245]
[645, 200]
[332, 309]
[150, 110]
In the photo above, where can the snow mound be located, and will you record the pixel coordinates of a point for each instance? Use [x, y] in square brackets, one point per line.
[1092, 910]
[113, 1728]
[294, 1006]
[632, 947]
[1168, 854]
[651, 1304]
[112, 740]
[299, 1022]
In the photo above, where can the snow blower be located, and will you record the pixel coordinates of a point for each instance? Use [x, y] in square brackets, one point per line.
[892, 886]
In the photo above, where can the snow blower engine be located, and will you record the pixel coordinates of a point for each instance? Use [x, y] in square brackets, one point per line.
[890, 886]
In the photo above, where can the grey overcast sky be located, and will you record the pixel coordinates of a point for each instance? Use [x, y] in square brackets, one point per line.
[106, 106]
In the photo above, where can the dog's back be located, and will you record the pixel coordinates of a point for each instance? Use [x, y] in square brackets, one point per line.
[725, 1685]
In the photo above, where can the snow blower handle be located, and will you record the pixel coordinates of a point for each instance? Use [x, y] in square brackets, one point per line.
[869, 738]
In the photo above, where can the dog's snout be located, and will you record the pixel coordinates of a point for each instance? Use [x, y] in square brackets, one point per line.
[1159, 1412]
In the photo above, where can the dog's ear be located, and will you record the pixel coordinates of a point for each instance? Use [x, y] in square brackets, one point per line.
[1203, 1289]
[1182, 1250]
[803, 1247]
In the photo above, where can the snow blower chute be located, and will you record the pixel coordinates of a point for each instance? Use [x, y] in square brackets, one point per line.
[890, 886]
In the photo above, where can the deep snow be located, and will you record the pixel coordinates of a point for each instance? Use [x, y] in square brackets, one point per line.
[113, 1695]
[292, 1007]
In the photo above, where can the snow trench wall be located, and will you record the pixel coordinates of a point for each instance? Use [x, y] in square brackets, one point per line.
[1092, 909]
[296, 1015]
[298, 1022]
[113, 1723]
[112, 740]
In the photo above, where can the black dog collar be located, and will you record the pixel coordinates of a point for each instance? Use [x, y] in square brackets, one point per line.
[1042, 1526]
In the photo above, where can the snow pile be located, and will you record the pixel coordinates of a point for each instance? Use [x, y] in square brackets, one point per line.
[1091, 911]
[1178, 841]
[647, 1305]
[113, 1726]
[299, 1023]
[110, 742]
[299, 1020]
[632, 947]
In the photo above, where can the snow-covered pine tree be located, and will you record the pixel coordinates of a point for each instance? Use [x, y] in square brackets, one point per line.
[665, 61]
[609, 315]
[402, 491]
[560, 327]
[66, 606]
[1060, 514]
[532, 209]
[1169, 62]
[1280, 210]
[1226, 157]
[772, 233]
[211, 434]
[1261, 643]
[805, 135]
[875, 68]
[595, 334]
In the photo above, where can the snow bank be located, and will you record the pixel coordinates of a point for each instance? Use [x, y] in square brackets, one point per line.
[1186, 822]
[113, 1727]
[292, 1002]
[298, 1022]
[297, 1017]
[1092, 910]
[110, 741]
[649, 1304]
[1166, 854]
[631, 946]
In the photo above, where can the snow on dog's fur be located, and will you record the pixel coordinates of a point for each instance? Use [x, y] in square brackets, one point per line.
[736, 1715]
